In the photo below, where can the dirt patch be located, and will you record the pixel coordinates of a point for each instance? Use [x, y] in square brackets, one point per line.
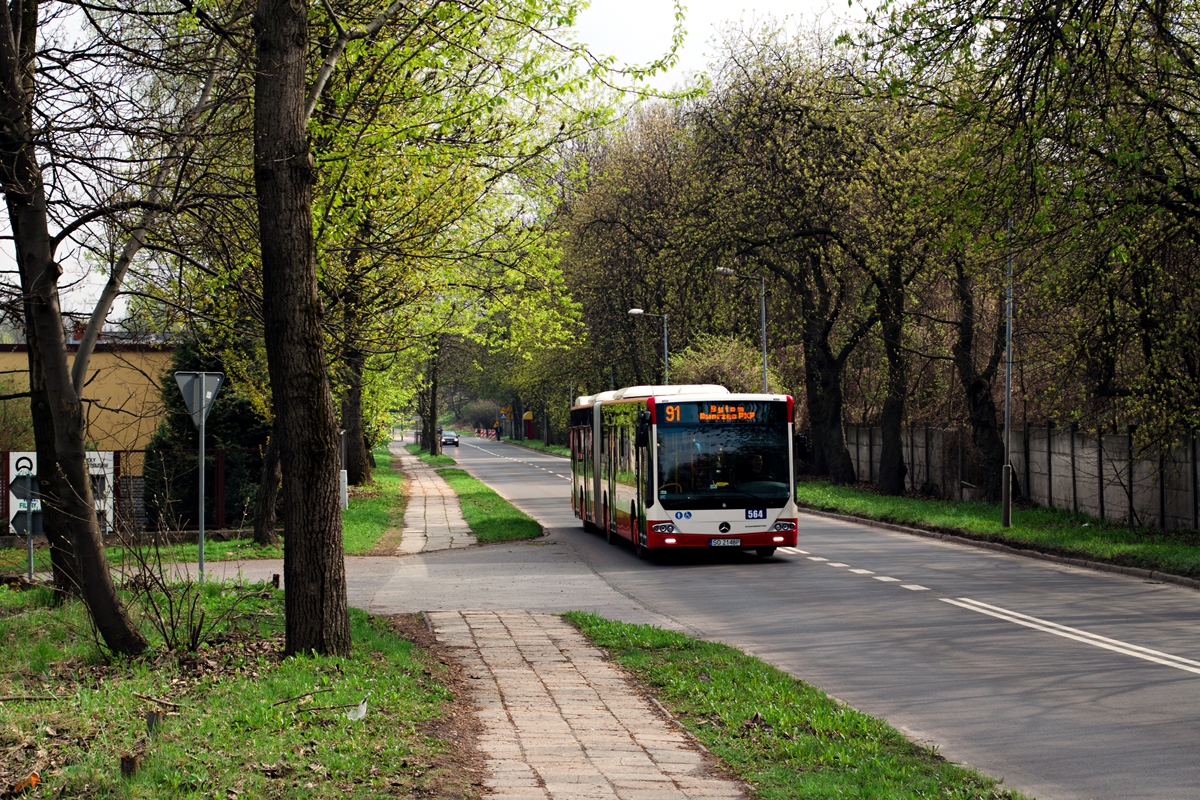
[458, 773]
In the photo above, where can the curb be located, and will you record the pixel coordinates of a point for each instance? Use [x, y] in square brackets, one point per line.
[1098, 566]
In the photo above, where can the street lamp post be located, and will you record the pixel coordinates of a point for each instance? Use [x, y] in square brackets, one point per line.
[637, 312]
[1006, 485]
[762, 313]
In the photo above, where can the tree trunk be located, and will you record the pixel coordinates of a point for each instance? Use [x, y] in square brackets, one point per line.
[54, 524]
[892, 469]
[67, 472]
[435, 441]
[823, 384]
[358, 464]
[977, 387]
[268, 494]
[316, 609]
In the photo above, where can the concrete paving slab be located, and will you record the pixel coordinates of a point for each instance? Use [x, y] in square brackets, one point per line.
[561, 720]
[433, 519]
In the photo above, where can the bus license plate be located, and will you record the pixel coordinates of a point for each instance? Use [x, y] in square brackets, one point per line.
[724, 542]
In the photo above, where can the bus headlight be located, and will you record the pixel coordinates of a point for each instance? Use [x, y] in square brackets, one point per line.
[784, 526]
[663, 527]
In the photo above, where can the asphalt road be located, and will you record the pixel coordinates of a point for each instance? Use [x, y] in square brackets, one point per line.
[1064, 682]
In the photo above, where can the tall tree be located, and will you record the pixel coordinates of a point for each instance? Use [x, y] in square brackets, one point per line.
[66, 483]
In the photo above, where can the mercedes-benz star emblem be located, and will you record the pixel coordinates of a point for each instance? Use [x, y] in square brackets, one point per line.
[723, 527]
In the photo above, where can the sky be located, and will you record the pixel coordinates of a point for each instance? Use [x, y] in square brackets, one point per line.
[638, 31]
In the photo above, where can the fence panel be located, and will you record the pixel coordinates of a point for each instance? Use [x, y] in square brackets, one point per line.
[1067, 468]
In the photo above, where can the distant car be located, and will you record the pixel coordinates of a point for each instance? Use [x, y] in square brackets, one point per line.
[450, 437]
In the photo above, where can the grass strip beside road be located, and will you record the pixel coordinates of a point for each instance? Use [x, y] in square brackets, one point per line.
[534, 444]
[784, 737]
[374, 509]
[490, 517]
[240, 720]
[1047, 530]
[433, 461]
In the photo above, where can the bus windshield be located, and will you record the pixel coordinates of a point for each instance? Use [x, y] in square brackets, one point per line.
[723, 466]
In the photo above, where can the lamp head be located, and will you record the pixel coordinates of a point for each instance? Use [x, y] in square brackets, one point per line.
[636, 312]
[725, 271]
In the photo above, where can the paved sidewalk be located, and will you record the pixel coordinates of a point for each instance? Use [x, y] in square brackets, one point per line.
[433, 520]
[560, 722]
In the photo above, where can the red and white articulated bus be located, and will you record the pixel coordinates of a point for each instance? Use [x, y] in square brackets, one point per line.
[685, 466]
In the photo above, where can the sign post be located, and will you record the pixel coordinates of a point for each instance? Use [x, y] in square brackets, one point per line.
[199, 390]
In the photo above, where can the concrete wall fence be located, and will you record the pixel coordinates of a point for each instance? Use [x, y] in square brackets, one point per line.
[1101, 475]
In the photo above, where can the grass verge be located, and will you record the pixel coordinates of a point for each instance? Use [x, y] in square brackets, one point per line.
[785, 738]
[490, 517]
[433, 461]
[375, 509]
[534, 444]
[1048, 530]
[240, 720]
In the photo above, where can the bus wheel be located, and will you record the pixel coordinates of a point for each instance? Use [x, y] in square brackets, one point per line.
[640, 549]
[610, 532]
[764, 552]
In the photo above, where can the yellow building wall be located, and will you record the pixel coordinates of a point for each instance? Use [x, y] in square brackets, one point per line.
[122, 391]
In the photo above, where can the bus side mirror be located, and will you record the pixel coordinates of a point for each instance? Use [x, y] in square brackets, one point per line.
[643, 430]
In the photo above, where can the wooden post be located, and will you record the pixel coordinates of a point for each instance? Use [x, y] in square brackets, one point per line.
[219, 494]
[1050, 463]
[1025, 449]
[1162, 490]
[1074, 485]
[926, 452]
[1195, 498]
[1129, 467]
[870, 454]
[912, 457]
[1100, 467]
[962, 455]
[116, 489]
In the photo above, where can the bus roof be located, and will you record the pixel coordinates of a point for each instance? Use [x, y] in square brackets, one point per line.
[630, 392]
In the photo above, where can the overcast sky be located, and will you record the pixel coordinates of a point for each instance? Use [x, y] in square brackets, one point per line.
[638, 31]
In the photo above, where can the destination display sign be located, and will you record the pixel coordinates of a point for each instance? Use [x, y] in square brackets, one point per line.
[723, 412]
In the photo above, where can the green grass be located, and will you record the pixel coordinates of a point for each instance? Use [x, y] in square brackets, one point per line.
[786, 738]
[1048, 530]
[535, 444]
[374, 509]
[490, 517]
[433, 461]
[244, 724]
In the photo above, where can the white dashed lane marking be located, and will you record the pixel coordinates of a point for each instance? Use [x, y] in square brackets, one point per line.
[792, 551]
[520, 461]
